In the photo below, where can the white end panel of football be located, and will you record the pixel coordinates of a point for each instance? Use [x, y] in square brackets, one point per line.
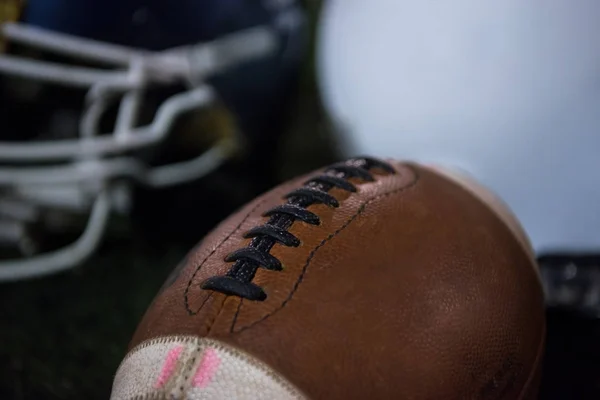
[191, 368]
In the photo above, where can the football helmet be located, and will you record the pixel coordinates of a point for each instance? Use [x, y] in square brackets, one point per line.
[507, 91]
[92, 92]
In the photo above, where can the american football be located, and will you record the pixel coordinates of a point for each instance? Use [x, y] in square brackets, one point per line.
[366, 279]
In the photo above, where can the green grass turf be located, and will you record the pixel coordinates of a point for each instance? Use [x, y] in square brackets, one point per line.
[63, 337]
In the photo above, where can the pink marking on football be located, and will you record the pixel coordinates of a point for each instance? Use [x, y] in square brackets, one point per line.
[207, 369]
[168, 366]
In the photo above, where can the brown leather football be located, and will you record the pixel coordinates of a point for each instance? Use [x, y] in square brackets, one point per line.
[364, 280]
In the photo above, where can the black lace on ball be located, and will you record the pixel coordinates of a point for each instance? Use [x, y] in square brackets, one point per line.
[238, 280]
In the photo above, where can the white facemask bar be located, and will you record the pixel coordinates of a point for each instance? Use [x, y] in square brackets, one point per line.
[67, 257]
[188, 64]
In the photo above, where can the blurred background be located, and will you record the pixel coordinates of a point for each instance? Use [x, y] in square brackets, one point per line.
[130, 128]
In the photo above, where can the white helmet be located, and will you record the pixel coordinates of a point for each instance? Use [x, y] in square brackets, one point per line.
[196, 55]
[507, 91]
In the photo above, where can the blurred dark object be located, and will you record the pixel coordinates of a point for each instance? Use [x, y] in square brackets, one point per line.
[572, 283]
